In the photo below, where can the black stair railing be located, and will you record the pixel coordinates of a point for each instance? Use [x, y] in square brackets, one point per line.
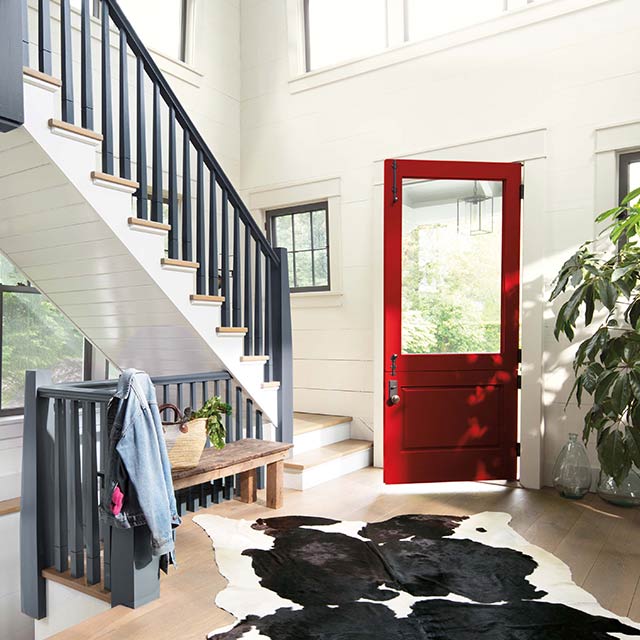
[179, 180]
[64, 461]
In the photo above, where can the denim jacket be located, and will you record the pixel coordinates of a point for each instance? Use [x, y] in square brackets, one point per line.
[138, 463]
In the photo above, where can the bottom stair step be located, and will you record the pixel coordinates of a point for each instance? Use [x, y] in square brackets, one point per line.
[332, 461]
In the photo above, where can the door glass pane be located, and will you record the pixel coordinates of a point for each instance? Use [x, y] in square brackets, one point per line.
[451, 266]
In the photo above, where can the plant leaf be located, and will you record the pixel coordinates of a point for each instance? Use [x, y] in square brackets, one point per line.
[632, 440]
[613, 455]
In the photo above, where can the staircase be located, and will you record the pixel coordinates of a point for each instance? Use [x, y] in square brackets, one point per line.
[323, 450]
[132, 229]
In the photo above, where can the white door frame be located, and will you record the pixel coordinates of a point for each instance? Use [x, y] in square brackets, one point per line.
[528, 147]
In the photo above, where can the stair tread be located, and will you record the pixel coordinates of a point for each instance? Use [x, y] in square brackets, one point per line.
[72, 128]
[325, 454]
[232, 330]
[173, 262]
[107, 177]
[308, 422]
[149, 224]
[9, 506]
[198, 297]
[77, 584]
[44, 77]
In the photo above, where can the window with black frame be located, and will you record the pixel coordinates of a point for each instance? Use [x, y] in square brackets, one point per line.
[304, 231]
[33, 335]
[629, 173]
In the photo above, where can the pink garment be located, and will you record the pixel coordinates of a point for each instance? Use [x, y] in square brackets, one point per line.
[117, 500]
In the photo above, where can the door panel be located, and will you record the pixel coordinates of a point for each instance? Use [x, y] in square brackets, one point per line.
[452, 258]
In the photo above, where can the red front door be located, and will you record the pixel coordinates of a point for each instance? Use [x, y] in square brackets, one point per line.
[451, 298]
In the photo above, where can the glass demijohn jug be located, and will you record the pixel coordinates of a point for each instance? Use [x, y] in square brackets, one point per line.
[572, 470]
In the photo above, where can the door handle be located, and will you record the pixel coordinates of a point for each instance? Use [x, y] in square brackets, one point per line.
[393, 397]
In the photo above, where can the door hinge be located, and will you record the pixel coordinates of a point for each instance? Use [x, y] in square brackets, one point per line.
[519, 381]
[394, 186]
[519, 355]
[518, 449]
[521, 192]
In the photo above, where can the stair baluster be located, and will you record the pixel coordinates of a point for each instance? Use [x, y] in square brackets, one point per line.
[66, 63]
[156, 159]
[143, 189]
[173, 188]
[44, 36]
[187, 250]
[237, 262]
[86, 72]
[226, 305]
[201, 256]
[258, 347]
[213, 237]
[247, 293]
[125, 135]
[107, 102]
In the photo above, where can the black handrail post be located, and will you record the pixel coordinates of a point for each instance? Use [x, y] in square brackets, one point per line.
[11, 54]
[282, 344]
[36, 502]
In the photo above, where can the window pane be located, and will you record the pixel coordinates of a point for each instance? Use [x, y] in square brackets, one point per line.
[35, 335]
[304, 273]
[9, 274]
[345, 29]
[451, 266]
[634, 178]
[158, 23]
[302, 230]
[283, 234]
[428, 18]
[319, 229]
[321, 268]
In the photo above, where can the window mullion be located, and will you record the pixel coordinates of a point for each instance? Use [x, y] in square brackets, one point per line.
[396, 22]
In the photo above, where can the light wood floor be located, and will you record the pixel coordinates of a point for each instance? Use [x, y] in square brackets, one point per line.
[599, 542]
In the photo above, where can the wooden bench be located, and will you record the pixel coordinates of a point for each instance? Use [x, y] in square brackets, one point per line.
[241, 457]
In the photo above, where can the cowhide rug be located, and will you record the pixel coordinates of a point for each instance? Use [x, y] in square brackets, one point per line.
[411, 577]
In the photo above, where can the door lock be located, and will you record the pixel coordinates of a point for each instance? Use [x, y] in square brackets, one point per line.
[393, 397]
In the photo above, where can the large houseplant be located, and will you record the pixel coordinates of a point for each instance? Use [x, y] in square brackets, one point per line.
[603, 278]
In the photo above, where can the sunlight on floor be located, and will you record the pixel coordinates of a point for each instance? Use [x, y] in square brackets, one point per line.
[436, 488]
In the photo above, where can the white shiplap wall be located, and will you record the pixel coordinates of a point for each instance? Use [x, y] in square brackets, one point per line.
[567, 67]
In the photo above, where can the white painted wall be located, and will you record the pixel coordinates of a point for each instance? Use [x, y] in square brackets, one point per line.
[567, 67]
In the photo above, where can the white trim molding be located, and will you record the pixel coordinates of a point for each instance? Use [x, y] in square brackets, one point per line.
[530, 148]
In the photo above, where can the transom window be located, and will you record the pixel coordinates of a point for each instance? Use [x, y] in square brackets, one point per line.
[340, 30]
[304, 232]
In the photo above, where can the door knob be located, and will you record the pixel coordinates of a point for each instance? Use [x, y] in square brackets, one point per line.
[395, 399]
[392, 395]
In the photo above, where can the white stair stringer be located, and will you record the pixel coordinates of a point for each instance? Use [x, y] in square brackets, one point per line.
[72, 239]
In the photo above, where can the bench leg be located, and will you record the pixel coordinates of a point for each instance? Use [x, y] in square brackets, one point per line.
[275, 484]
[248, 486]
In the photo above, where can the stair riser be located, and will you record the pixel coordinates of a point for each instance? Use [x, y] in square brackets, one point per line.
[321, 437]
[330, 470]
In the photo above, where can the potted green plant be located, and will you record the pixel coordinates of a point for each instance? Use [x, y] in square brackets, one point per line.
[213, 410]
[603, 280]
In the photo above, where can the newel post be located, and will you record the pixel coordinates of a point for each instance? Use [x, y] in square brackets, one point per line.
[11, 55]
[36, 509]
[282, 344]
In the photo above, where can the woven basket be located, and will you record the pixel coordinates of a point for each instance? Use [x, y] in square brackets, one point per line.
[185, 439]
